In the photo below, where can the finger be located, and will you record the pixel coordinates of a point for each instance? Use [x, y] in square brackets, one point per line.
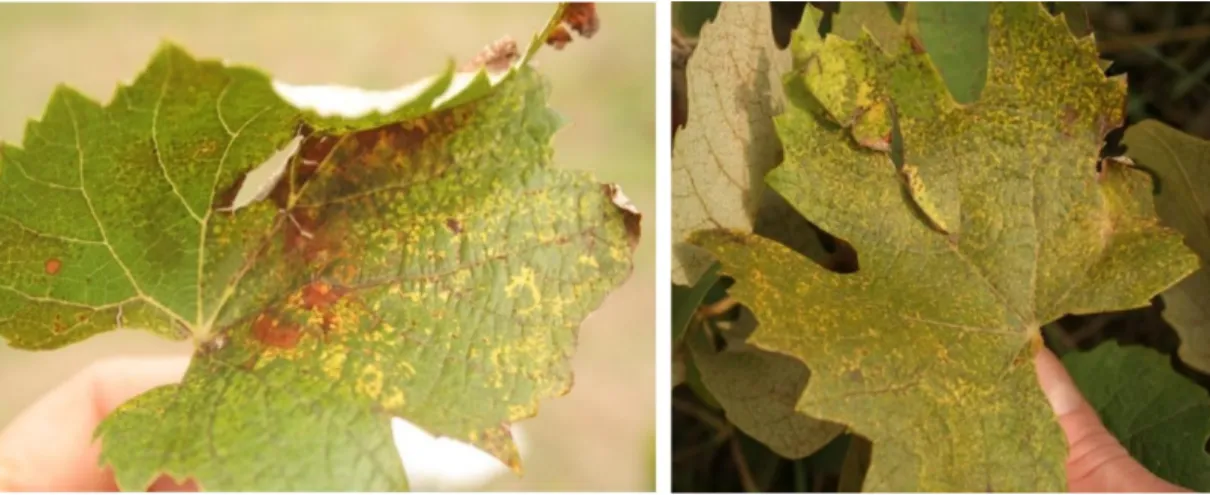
[49, 447]
[1096, 461]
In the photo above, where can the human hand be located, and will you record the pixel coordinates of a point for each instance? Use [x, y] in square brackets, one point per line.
[1096, 461]
[50, 447]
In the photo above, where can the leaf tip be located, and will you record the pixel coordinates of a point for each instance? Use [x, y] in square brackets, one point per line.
[580, 17]
[631, 215]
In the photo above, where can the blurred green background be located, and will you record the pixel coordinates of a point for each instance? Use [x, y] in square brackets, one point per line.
[596, 438]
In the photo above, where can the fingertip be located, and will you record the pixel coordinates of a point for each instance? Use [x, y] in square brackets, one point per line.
[1060, 390]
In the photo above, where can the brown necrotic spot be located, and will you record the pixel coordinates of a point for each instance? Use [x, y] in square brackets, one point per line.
[268, 329]
[53, 265]
[453, 225]
[581, 17]
[320, 295]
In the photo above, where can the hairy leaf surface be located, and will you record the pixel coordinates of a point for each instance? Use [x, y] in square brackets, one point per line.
[1002, 224]
[423, 261]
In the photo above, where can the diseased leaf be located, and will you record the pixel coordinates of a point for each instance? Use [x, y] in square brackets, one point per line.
[939, 324]
[1161, 417]
[1182, 164]
[423, 261]
[758, 390]
[729, 142]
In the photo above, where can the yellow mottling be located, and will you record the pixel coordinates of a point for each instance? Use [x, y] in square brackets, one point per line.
[588, 260]
[517, 411]
[394, 400]
[444, 295]
[865, 92]
[370, 381]
[334, 362]
[525, 281]
[619, 254]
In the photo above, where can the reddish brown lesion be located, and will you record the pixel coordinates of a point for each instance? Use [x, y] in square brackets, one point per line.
[321, 295]
[53, 265]
[270, 329]
[580, 17]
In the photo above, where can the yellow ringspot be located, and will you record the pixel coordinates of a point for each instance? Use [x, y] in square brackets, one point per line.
[394, 400]
[334, 362]
[408, 366]
[524, 281]
[370, 381]
[588, 260]
[619, 254]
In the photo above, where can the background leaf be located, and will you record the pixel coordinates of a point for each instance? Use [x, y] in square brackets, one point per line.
[758, 389]
[1162, 418]
[1182, 165]
[954, 34]
[729, 143]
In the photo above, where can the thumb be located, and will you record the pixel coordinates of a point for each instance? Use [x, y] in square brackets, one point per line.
[1096, 461]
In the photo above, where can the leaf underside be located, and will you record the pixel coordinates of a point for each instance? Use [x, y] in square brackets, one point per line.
[1002, 225]
[426, 263]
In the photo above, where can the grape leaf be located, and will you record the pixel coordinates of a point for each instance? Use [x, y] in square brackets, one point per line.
[758, 390]
[728, 142]
[1182, 163]
[927, 349]
[686, 300]
[955, 36]
[874, 17]
[423, 261]
[1161, 417]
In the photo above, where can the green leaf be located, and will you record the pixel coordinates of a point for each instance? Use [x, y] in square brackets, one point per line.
[873, 17]
[423, 261]
[955, 35]
[1076, 16]
[729, 142]
[686, 300]
[927, 349]
[1162, 418]
[1182, 164]
[758, 390]
[689, 17]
